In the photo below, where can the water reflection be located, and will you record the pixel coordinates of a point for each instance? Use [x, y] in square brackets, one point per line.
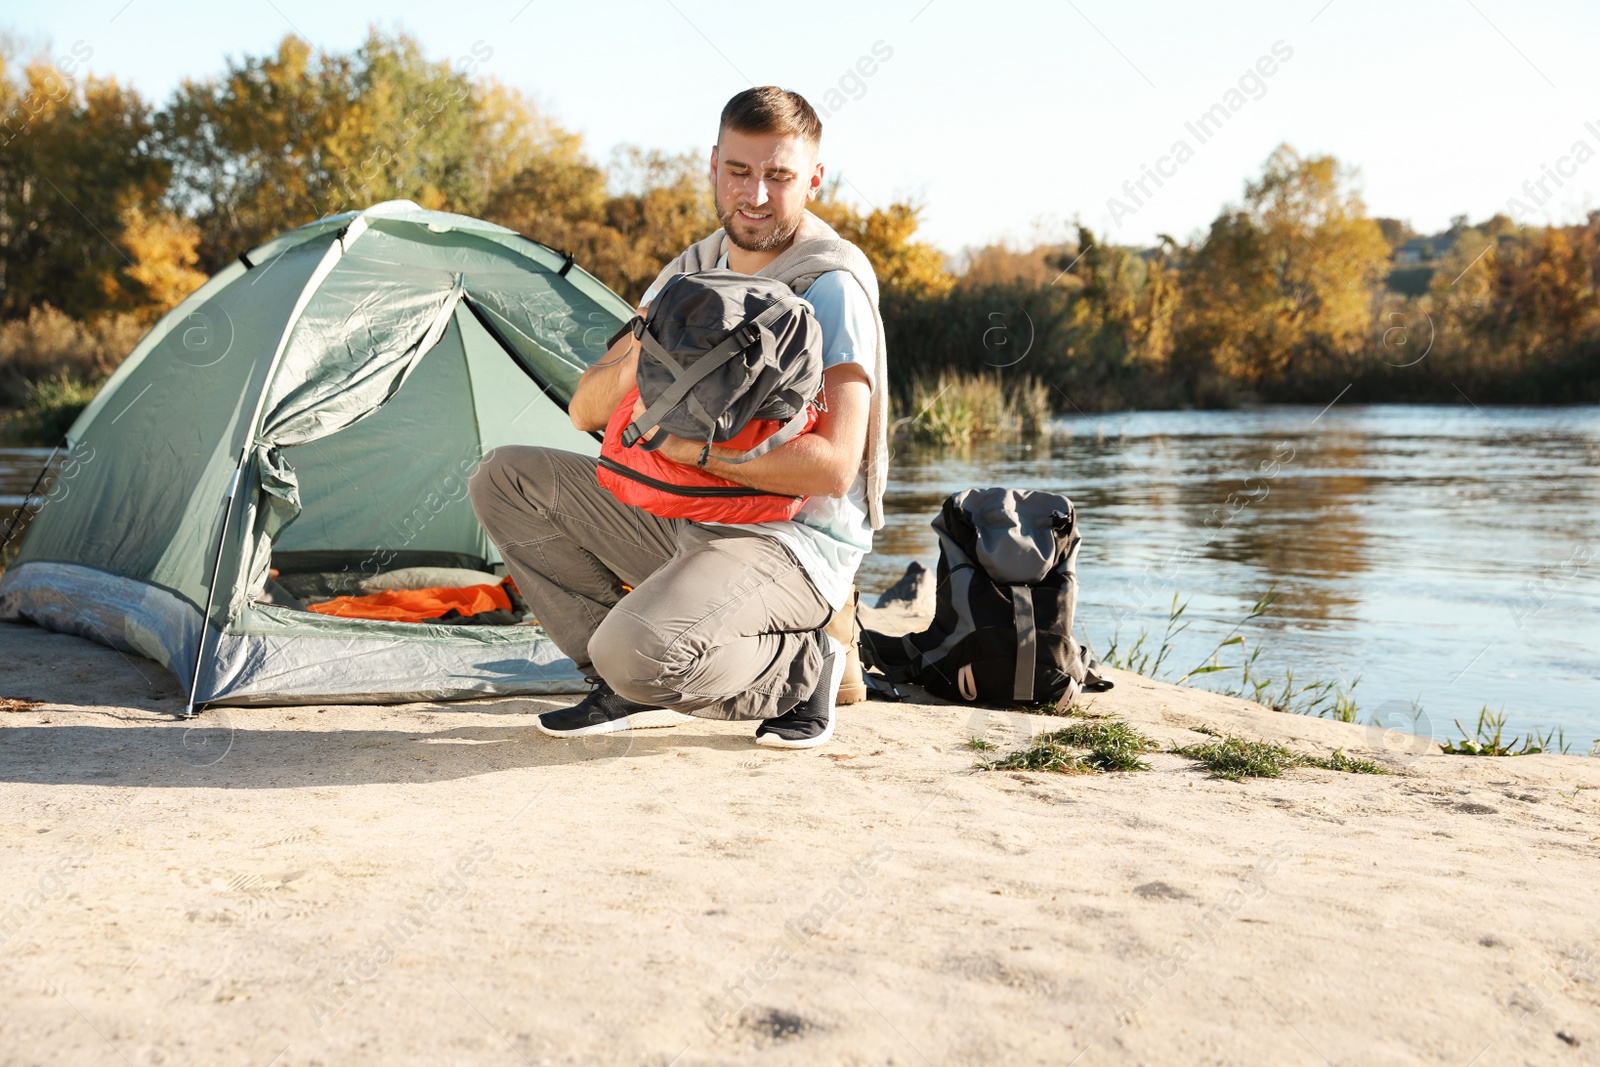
[1172, 507]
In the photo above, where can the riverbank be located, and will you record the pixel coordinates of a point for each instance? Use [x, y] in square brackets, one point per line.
[442, 883]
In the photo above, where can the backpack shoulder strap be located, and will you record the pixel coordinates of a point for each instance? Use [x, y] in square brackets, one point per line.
[1027, 643]
[782, 436]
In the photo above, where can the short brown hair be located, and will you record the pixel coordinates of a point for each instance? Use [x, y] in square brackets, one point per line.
[769, 109]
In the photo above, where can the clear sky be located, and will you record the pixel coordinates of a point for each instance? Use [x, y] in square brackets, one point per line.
[1005, 120]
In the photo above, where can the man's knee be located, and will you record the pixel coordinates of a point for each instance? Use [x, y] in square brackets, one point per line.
[630, 654]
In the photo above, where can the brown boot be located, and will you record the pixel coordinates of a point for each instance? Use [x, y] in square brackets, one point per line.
[845, 629]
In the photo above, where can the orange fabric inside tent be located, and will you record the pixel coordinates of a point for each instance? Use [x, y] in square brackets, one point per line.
[415, 605]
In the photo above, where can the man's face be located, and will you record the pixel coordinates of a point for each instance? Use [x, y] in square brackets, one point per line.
[762, 183]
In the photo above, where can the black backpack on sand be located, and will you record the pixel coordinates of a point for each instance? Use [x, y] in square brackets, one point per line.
[1007, 593]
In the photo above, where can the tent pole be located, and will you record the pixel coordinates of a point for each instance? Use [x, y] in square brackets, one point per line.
[336, 248]
[16, 516]
[211, 591]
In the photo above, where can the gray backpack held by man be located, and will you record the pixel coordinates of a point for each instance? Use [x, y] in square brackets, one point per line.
[720, 349]
[1007, 594]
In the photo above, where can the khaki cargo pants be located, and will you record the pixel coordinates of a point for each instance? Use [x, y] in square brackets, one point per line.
[720, 623]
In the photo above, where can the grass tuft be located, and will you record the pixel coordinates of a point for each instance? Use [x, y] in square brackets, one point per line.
[1340, 762]
[1237, 758]
[1324, 699]
[955, 409]
[1050, 707]
[978, 744]
[1112, 746]
[1094, 733]
[1488, 739]
[1041, 754]
[1116, 758]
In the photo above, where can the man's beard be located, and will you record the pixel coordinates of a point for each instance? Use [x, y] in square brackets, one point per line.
[782, 230]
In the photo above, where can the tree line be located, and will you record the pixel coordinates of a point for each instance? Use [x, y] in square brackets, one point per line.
[112, 208]
[1292, 295]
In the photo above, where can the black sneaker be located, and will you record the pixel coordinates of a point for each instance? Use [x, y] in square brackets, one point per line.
[603, 712]
[809, 724]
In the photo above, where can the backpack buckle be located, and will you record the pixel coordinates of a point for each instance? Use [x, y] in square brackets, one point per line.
[747, 335]
[634, 326]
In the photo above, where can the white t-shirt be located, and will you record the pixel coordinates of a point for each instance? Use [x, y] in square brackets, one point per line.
[830, 534]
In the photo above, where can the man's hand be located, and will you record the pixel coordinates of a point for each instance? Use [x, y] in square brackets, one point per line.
[820, 463]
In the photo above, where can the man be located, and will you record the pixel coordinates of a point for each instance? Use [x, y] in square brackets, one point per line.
[723, 621]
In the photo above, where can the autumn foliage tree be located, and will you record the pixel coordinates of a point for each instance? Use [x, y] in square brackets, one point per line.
[1126, 302]
[282, 139]
[1284, 282]
[1541, 291]
[163, 251]
[1516, 312]
[72, 164]
[113, 210]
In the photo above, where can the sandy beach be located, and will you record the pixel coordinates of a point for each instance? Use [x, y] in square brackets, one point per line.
[444, 884]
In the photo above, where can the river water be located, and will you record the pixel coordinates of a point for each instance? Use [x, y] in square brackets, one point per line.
[1447, 557]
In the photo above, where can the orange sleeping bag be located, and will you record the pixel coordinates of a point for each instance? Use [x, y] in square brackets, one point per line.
[672, 490]
[416, 605]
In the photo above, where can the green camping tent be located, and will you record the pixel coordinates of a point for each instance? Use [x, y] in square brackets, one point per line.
[317, 406]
